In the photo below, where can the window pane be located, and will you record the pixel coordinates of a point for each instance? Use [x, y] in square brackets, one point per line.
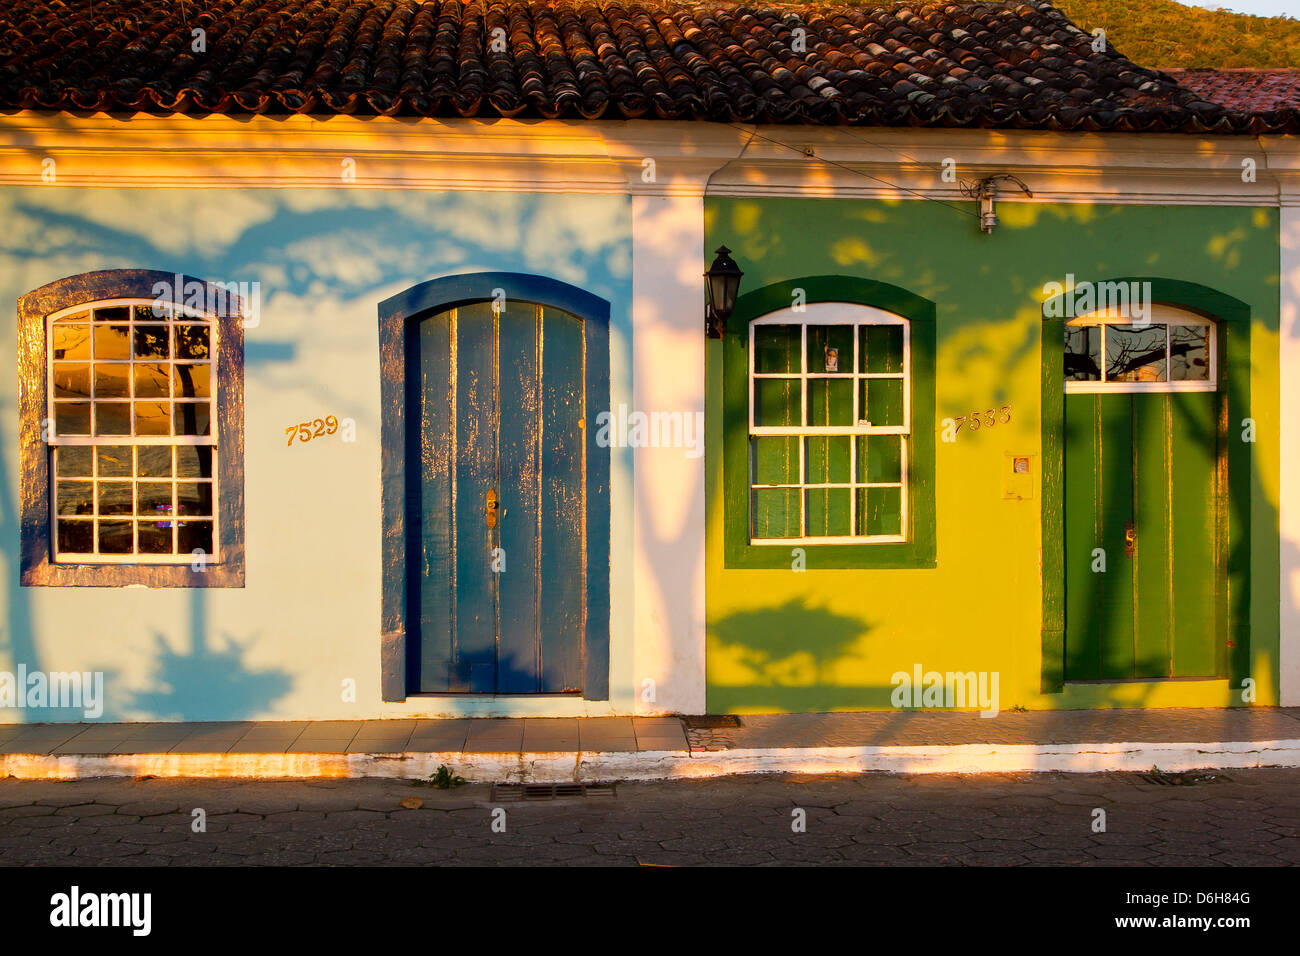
[114, 461]
[776, 513]
[72, 418]
[880, 458]
[155, 499]
[193, 461]
[152, 312]
[112, 418]
[830, 349]
[73, 461]
[194, 498]
[828, 512]
[155, 461]
[115, 498]
[880, 348]
[151, 381]
[880, 511]
[152, 418]
[776, 348]
[71, 381]
[77, 537]
[191, 418]
[195, 536]
[191, 341]
[1189, 353]
[827, 459]
[152, 538]
[116, 313]
[1083, 353]
[830, 401]
[1135, 353]
[776, 460]
[192, 380]
[112, 342]
[776, 401]
[882, 401]
[151, 342]
[112, 381]
[74, 498]
[115, 537]
[71, 342]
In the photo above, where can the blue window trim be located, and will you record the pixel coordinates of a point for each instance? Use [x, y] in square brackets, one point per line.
[37, 568]
[437, 295]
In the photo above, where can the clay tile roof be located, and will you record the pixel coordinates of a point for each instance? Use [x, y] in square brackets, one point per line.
[1018, 65]
[1244, 89]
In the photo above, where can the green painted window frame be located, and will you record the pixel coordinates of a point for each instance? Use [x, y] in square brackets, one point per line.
[919, 551]
[1233, 321]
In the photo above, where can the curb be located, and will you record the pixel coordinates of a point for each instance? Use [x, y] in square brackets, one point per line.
[605, 766]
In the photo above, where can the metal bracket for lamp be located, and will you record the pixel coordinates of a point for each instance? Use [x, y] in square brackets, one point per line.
[986, 191]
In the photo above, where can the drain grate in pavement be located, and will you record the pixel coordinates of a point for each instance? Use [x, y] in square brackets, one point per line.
[711, 721]
[530, 792]
[1187, 778]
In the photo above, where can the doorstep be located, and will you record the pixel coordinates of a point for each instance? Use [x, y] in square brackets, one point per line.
[551, 750]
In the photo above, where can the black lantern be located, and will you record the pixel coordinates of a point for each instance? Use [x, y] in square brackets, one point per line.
[723, 284]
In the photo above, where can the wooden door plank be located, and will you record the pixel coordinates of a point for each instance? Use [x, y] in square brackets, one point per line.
[563, 500]
[1194, 574]
[1115, 461]
[429, 502]
[1153, 482]
[518, 665]
[1084, 587]
[476, 474]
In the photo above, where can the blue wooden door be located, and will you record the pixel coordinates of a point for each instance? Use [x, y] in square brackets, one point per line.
[498, 500]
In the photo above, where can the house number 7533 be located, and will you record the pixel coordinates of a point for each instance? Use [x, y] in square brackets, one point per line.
[985, 419]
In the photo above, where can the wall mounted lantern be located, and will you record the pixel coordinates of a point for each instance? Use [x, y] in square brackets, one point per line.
[723, 282]
[986, 191]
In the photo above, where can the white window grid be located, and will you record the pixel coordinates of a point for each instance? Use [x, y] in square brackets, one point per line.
[833, 314]
[173, 313]
[1169, 319]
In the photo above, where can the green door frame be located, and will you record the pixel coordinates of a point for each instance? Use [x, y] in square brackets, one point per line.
[1232, 517]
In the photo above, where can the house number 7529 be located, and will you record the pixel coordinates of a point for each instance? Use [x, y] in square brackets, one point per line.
[306, 431]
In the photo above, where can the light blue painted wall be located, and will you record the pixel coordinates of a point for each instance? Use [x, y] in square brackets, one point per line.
[308, 619]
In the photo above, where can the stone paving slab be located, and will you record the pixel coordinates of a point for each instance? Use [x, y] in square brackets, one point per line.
[645, 734]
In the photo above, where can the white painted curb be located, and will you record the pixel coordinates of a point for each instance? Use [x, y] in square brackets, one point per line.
[594, 766]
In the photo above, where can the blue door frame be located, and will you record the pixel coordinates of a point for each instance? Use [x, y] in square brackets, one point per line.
[400, 318]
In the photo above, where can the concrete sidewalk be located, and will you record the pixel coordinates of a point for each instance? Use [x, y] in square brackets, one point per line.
[546, 750]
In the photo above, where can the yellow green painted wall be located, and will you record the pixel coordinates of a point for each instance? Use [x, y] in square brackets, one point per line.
[821, 640]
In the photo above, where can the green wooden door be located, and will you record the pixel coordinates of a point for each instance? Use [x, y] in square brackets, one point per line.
[1140, 534]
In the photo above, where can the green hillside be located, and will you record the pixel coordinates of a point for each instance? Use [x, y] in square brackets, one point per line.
[1165, 35]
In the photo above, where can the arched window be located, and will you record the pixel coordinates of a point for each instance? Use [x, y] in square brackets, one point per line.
[135, 390]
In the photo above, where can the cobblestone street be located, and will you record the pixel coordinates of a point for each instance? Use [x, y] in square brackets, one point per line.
[1238, 817]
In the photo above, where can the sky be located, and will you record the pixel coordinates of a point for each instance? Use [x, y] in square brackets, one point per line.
[1260, 8]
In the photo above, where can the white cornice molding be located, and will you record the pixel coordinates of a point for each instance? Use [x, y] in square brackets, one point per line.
[611, 157]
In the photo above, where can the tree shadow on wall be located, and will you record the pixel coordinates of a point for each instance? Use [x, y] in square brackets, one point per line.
[206, 683]
[792, 650]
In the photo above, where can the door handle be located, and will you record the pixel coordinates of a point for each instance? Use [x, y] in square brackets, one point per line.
[490, 508]
[1130, 538]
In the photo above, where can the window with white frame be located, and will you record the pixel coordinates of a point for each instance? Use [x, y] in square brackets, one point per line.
[1173, 351]
[133, 433]
[829, 425]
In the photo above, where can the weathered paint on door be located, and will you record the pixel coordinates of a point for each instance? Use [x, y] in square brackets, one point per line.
[498, 502]
[1140, 466]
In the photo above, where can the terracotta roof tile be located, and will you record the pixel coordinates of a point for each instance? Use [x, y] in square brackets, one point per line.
[1244, 89]
[1019, 65]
